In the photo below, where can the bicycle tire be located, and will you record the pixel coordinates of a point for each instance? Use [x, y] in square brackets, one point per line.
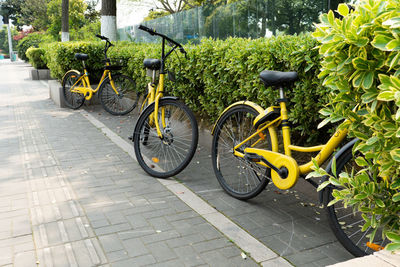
[71, 99]
[247, 179]
[342, 219]
[120, 104]
[168, 157]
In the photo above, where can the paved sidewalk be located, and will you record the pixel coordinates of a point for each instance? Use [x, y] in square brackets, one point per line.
[71, 197]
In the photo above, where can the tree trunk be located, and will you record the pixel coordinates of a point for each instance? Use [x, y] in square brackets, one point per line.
[109, 19]
[65, 21]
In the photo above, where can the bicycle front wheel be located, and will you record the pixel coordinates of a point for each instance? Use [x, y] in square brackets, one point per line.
[72, 99]
[123, 102]
[169, 156]
[345, 223]
[239, 177]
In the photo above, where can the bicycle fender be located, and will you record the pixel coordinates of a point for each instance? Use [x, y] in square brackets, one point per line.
[62, 80]
[258, 108]
[347, 146]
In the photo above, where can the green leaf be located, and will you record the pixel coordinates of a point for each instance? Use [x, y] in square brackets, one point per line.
[333, 202]
[372, 140]
[361, 196]
[380, 203]
[388, 126]
[395, 185]
[361, 42]
[334, 166]
[393, 45]
[343, 9]
[380, 42]
[369, 97]
[392, 247]
[396, 197]
[368, 80]
[395, 82]
[324, 122]
[360, 64]
[386, 96]
[393, 237]
[361, 162]
[323, 185]
[395, 154]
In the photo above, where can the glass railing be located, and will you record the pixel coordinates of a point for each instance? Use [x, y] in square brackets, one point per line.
[248, 19]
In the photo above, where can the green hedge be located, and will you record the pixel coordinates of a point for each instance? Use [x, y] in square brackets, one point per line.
[31, 40]
[36, 57]
[218, 73]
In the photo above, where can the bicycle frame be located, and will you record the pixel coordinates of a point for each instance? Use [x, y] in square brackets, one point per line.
[86, 89]
[274, 156]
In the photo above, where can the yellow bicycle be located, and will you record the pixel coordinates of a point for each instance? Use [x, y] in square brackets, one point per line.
[165, 136]
[246, 156]
[117, 92]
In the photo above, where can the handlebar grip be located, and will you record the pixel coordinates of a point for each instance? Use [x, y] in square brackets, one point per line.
[144, 28]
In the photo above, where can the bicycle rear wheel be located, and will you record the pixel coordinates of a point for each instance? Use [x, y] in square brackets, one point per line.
[240, 178]
[72, 99]
[127, 97]
[346, 224]
[167, 157]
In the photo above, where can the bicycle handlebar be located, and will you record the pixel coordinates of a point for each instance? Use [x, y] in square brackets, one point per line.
[102, 37]
[153, 32]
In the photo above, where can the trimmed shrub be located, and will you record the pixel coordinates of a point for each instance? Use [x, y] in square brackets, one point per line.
[36, 57]
[32, 39]
[60, 58]
[218, 73]
[361, 69]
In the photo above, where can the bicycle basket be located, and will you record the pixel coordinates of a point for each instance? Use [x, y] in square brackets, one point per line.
[120, 62]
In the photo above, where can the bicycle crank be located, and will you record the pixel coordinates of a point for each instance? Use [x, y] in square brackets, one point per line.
[285, 171]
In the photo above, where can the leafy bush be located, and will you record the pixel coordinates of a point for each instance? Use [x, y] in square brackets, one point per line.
[34, 40]
[86, 33]
[60, 58]
[218, 73]
[361, 68]
[36, 57]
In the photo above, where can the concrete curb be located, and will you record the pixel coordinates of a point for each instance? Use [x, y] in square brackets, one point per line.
[381, 258]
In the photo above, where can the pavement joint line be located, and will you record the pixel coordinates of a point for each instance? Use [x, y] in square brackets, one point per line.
[258, 251]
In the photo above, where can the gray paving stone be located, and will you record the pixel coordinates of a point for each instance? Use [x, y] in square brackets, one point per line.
[171, 263]
[135, 247]
[112, 229]
[117, 255]
[160, 224]
[161, 236]
[137, 261]
[111, 243]
[161, 252]
[189, 256]
[26, 258]
[137, 221]
[306, 257]
[100, 223]
[185, 240]
[211, 244]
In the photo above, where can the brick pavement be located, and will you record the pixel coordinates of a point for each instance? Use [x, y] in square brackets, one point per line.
[291, 222]
[71, 197]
